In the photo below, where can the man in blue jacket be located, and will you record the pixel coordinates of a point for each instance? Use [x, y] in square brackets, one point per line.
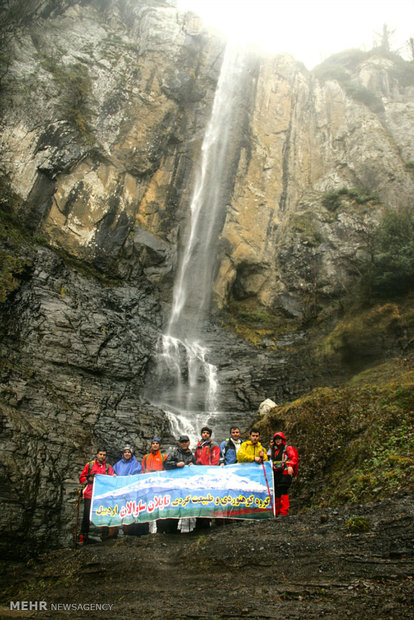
[128, 465]
[229, 447]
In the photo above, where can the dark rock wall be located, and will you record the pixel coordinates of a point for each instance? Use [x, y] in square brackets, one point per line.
[73, 358]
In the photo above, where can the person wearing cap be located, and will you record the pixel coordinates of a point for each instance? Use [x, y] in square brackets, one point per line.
[181, 456]
[207, 452]
[128, 464]
[154, 460]
[285, 467]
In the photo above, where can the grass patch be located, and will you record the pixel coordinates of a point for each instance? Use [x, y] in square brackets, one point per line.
[254, 324]
[305, 225]
[357, 524]
[11, 267]
[357, 334]
[17, 251]
[15, 257]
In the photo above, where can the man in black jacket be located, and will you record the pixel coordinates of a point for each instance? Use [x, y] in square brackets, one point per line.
[182, 455]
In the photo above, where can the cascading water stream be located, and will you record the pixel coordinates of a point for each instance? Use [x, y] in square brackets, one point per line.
[187, 382]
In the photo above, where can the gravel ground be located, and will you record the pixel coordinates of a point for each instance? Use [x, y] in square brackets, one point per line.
[306, 566]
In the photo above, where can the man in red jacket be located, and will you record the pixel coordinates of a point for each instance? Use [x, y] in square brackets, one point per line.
[207, 452]
[97, 466]
[285, 464]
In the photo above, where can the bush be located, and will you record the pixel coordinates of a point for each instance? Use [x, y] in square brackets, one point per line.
[389, 271]
[336, 64]
[363, 95]
[340, 67]
[75, 87]
[333, 200]
[366, 433]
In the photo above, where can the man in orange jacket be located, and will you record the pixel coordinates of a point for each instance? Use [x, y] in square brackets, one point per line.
[154, 460]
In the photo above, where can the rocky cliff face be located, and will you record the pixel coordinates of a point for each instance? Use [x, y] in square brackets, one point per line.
[309, 136]
[103, 111]
[106, 108]
[73, 355]
[103, 108]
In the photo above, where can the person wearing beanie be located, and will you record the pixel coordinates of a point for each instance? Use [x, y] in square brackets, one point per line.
[154, 460]
[128, 464]
[179, 458]
[207, 452]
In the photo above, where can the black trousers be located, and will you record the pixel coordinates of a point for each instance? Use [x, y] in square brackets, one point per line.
[85, 519]
[282, 483]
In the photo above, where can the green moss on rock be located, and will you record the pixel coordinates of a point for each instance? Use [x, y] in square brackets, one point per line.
[358, 333]
[254, 324]
[357, 524]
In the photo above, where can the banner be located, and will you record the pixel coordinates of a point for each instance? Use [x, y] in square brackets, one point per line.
[238, 491]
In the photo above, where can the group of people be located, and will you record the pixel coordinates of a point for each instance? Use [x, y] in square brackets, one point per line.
[230, 451]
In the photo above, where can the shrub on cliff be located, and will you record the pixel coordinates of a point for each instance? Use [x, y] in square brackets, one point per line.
[333, 200]
[389, 271]
[14, 253]
[75, 89]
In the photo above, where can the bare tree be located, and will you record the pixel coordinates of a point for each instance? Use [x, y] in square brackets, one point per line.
[411, 44]
[383, 38]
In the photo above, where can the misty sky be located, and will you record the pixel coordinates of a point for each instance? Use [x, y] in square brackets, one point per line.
[309, 30]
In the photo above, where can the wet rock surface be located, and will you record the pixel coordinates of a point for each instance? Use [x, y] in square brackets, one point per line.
[353, 561]
[72, 362]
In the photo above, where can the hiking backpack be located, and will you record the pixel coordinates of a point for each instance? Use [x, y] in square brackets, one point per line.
[296, 466]
[91, 465]
[285, 458]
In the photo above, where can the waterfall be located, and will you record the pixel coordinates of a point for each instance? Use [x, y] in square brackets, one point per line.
[187, 386]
